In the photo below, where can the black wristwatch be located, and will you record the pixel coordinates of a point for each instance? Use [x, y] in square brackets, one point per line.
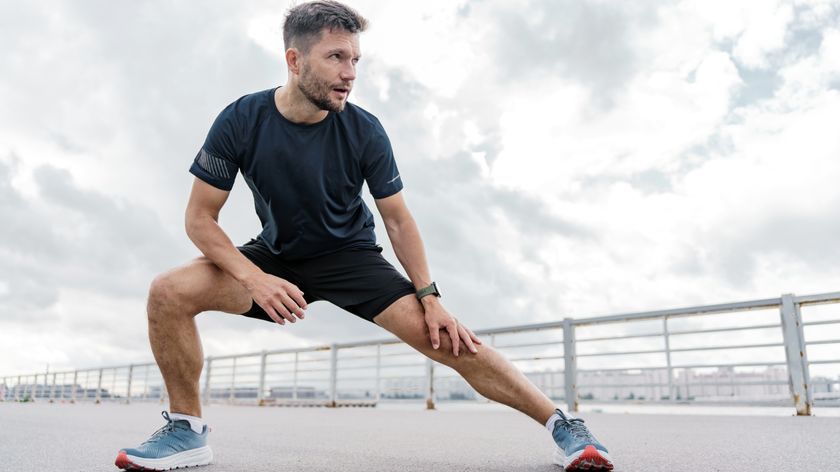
[430, 290]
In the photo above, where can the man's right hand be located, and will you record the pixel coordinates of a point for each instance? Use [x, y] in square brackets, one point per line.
[281, 299]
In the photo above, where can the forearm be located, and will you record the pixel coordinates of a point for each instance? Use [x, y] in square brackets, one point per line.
[408, 246]
[204, 231]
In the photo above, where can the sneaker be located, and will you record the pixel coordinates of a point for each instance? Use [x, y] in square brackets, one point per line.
[577, 449]
[172, 446]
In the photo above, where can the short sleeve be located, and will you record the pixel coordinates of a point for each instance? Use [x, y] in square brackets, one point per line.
[379, 166]
[218, 159]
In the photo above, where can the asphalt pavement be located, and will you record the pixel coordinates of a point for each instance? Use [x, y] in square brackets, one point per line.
[86, 437]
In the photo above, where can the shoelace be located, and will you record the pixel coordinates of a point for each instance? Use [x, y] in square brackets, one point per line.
[160, 433]
[576, 428]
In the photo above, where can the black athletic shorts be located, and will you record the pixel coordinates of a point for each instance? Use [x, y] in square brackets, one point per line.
[356, 279]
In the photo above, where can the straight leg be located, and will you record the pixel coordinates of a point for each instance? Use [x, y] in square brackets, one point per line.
[488, 372]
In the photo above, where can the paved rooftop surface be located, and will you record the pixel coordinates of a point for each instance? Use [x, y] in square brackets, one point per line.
[86, 437]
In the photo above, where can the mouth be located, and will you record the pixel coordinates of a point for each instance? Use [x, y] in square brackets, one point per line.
[342, 92]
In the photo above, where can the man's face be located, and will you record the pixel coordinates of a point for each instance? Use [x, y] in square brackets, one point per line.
[328, 71]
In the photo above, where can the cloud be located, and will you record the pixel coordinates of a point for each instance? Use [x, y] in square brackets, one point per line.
[561, 158]
[74, 238]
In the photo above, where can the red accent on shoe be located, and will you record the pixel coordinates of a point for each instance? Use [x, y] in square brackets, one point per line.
[590, 459]
[123, 462]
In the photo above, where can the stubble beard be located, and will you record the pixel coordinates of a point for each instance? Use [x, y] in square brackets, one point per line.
[318, 91]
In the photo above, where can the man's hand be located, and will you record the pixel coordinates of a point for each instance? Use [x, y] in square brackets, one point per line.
[437, 318]
[280, 299]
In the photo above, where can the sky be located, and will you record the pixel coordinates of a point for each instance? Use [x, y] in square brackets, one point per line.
[562, 158]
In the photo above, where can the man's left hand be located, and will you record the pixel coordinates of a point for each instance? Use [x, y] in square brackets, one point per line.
[437, 318]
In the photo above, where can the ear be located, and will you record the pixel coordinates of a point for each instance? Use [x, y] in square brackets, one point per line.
[294, 60]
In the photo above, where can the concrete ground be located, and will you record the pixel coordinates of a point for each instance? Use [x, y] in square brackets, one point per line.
[86, 437]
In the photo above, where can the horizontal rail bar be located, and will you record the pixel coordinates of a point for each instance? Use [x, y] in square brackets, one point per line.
[595, 354]
[752, 364]
[739, 346]
[685, 366]
[720, 330]
[611, 338]
[815, 323]
[818, 299]
[721, 383]
[824, 341]
[541, 343]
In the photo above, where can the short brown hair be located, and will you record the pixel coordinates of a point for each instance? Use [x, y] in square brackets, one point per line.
[305, 22]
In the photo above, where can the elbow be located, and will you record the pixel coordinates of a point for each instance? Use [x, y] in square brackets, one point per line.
[393, 225]
[193, 221]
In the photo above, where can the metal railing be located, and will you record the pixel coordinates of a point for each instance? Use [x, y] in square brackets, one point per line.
[757, 355]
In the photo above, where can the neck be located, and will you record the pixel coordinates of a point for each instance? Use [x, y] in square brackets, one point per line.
[295, 107]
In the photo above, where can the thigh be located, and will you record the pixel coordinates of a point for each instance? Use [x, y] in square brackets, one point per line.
[203, 286]
[406, 320]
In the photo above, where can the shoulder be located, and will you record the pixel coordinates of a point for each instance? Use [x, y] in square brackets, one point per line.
[365, 122]
[249, 105]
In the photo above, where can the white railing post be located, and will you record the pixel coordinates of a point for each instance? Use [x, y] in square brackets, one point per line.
[52, 389]
[208, 371]
[295, 378]
[232, 382]
[430, 384]
[796, 356]
[333, 375]
[261, 388]
[128, 386]
[73, 388]
[570, 362]
[378, 373]
[146, 382]
[671, 395]
[99, 387]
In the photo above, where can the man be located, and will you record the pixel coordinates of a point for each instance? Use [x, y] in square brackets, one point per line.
[305, 152]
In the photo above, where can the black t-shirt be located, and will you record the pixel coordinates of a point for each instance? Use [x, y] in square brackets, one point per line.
[306, 179]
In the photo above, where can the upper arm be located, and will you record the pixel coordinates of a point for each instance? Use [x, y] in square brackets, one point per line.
[393, 209]
[379, 167]
[205, 199]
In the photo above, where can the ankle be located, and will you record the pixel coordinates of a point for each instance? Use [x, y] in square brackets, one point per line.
[196, 423]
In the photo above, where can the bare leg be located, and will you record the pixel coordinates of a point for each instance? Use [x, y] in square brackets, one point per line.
[175, 297]
[487, 371]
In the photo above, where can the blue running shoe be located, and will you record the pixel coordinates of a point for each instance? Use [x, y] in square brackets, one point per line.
[173, 446]
[577, 449]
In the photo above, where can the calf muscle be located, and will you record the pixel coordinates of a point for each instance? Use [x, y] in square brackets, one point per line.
[175, 297]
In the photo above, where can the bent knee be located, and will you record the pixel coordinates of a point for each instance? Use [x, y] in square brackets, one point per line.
[197, 287]
[168, 293]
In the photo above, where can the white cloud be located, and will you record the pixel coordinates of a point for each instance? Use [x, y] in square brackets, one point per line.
[561, 158]
[765, 29]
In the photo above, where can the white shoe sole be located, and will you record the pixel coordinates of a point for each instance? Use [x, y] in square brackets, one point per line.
[190, 458]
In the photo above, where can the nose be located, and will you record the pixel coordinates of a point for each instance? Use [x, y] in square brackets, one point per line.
[348, 72]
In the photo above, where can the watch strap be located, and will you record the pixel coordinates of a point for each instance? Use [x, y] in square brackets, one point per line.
[430, 290]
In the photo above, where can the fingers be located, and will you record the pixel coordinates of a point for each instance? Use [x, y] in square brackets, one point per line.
[272, 313]
[279, 298]
[473, 336]
[452, 329]
[465, 335]
[293, 307]
[434, 334]
[285, 306]
[297, 296]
